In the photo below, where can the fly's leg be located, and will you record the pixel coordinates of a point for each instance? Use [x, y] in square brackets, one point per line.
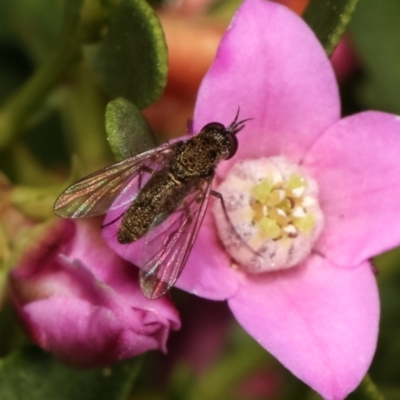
[233, 229]
[141, 171]
[219, 196]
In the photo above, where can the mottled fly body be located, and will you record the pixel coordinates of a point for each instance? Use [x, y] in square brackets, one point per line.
[169, 189]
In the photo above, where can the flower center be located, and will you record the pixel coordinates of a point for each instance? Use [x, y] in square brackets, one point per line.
[272, 215]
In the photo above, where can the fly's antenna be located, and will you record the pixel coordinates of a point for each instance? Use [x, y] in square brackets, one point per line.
[235, 127]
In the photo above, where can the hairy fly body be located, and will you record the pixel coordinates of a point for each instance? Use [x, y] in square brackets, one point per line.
[192, 165]
[169, 189]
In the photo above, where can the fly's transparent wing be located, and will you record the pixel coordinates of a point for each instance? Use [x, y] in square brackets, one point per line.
[167, 246]
[94, 194]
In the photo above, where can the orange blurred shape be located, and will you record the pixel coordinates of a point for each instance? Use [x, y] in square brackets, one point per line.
[298, 6]
[192, 45]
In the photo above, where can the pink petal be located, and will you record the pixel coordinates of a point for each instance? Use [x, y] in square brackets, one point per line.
[271, 65]
[208, 271]
[319, 321]
[77, 330]
[357, 166]
[88, 246]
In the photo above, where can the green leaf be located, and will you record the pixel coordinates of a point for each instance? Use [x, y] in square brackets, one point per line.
[35, 375]
[71, 14]
[6, 22]
[131, 61]
[328, 19]
[128, 131]
[375, 30]
[35, 202]
[366, 391]
[38, 23]
[222, 379]
[15, 113]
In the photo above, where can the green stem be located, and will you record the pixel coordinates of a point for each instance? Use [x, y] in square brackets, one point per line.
[4, 258]
[25, 168]
[219, 380]
[14, 113]
[369, 390]
[83, 109]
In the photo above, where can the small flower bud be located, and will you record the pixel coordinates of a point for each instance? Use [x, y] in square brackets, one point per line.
[80, 301]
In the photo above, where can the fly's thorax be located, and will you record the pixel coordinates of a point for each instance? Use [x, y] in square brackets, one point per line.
[199, 156]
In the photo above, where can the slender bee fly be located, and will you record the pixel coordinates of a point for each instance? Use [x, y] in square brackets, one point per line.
[158, 199]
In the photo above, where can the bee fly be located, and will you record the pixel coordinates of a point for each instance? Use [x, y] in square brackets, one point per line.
[158, 199]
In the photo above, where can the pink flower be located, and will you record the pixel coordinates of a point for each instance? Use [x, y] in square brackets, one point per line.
[80, 301]
[344, 60]
[319, 318]
[312, 198]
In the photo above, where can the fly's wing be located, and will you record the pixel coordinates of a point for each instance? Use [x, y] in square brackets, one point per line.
[167, 246]
[95, 194]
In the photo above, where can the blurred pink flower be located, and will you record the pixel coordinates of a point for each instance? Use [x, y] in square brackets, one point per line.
[80, 301]
[204, 322]
[320, 318]
[344, 60]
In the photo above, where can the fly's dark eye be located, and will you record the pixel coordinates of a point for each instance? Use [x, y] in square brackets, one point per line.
[214, 126]
[234, 145]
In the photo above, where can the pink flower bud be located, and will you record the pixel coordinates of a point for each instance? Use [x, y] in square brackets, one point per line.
[80, 301]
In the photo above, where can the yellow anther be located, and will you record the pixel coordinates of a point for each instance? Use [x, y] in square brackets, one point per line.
[296, 181]
[262, 191]
[259, 211]
[305, 224]
[285, 205]
[279, 216]
[277, 195]
[269, 228]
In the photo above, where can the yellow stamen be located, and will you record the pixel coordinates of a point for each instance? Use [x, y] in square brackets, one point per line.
[269, 228]
[262, 191]
[278, 215]
[276, 196]
[258, 211]
[285, 205]
[305, 224]
[296, 181]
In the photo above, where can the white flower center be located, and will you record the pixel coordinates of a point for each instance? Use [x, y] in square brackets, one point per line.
[272, 215]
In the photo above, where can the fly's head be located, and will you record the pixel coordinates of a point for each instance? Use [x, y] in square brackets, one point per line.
[215, 142]
[221, 143]
[225, 137]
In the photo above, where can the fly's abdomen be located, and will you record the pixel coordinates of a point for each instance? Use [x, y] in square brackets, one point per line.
[158, 198]
[136, 222]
